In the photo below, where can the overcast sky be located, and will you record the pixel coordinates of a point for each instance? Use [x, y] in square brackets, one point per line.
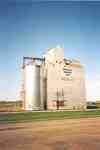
[28, 28]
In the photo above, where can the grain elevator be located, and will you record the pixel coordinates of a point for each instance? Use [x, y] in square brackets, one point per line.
[53, 82]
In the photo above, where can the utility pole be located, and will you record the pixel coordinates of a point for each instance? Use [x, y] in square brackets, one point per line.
[57, 102]
[62, 97]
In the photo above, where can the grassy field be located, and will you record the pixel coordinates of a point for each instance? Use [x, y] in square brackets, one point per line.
[10, 106]
[33, 116]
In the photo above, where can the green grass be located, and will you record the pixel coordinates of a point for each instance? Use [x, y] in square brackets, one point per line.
[33, 116]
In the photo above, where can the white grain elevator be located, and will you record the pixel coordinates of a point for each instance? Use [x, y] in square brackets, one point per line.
[53, 82]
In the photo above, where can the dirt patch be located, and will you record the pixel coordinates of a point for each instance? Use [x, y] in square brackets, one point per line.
[68, 134]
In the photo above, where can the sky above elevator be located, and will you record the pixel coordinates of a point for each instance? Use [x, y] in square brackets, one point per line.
[28, 28]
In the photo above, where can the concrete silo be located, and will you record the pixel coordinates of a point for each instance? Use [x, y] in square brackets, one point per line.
[32, 86]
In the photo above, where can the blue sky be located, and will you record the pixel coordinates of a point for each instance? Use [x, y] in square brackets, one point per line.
[28, 28]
